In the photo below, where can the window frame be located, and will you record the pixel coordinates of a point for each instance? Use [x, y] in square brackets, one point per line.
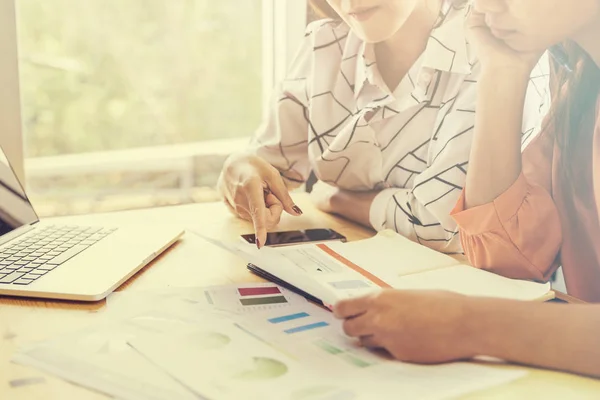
[11, 138]
[283, 31]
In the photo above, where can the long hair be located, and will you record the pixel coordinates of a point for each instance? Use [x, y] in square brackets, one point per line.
[572, 115]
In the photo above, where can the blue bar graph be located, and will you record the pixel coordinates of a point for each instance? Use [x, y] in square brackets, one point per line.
[306, 327]
[286, 318]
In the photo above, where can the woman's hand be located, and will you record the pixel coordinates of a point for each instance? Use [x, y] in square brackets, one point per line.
[493, 53]
[413, 326]
[255, 191]
[322, 196]
[355, 206]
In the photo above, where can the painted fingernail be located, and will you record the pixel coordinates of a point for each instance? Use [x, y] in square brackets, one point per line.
[297, 210]
[258, 244]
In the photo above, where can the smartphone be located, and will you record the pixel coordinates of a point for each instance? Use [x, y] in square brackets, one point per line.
[286, 238]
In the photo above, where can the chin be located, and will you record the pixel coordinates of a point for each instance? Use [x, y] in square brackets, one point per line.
[377, 30]
[375, 35]
[373, 39]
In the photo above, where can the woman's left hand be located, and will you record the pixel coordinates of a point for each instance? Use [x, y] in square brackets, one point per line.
[322, 196]
[355, 206]
[494, 53]
[413, 326]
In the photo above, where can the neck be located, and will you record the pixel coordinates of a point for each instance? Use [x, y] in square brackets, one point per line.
[588, 41]
[397, 54]
[417, 27]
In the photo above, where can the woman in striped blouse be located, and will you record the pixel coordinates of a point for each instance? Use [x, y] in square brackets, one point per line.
[379, 103]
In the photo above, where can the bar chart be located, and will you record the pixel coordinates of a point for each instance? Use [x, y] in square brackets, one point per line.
[298, 322]
[250, 298]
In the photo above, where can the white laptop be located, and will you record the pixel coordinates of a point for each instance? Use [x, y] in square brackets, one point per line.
[86, 263]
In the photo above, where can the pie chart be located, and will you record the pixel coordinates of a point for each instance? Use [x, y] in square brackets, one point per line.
[263, 369]
[210, 340]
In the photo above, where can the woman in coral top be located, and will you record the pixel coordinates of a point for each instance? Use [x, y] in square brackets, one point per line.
[520, 215]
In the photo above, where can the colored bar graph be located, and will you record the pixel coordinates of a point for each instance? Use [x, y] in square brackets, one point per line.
[286, 318]
[306, 327]
[259, 301]
[342, 354]
[257, 291]
[328, 347]
[357, 362]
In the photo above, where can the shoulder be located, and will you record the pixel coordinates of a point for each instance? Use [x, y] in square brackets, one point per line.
[325, 27]
[321, 35]
[326, 45]
[319, 58]
[324, 33]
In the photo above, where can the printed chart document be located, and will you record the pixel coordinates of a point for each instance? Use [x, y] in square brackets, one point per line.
[222, 299]
[221, 361]
[301, 353]
[100, 358]
[239, 341]
[334, 271]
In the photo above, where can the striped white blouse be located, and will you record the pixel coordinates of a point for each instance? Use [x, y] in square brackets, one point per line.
[334, 115]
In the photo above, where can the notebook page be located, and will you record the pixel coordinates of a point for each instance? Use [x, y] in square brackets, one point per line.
[389, 255]
[404, 264]
[471, 281]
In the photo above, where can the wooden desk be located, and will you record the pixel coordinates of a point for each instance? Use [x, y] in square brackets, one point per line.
[192, 262]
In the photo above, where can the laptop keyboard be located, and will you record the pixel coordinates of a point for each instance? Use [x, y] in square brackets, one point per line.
[26, 259]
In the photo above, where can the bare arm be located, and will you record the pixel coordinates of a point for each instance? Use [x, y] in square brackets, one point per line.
[562, 337]
[456, 327]
[495, 162]
[354, 206]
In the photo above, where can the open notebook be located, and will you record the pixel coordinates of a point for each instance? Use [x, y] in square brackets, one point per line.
[329, 272]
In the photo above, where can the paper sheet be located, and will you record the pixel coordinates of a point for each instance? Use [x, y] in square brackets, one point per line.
[389, 258]
[389, 254]
[175, 348]
[100, 358]
[471, 281]
[271, 260]
[221, 361]
[225, 299]
[303, 344]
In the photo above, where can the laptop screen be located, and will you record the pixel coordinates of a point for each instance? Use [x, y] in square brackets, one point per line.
[15, 208]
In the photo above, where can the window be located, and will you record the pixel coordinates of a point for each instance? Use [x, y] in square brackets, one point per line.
[136, 103]
[110, 74]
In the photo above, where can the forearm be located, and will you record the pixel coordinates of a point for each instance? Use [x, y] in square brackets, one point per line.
[562, 337]
[354, 206]
[495, 161]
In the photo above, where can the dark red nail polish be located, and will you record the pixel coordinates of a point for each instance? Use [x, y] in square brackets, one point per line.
[258, 244]
[297, 210]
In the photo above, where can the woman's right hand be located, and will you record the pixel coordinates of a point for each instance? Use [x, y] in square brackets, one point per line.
[255, 191]
[492, 52]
